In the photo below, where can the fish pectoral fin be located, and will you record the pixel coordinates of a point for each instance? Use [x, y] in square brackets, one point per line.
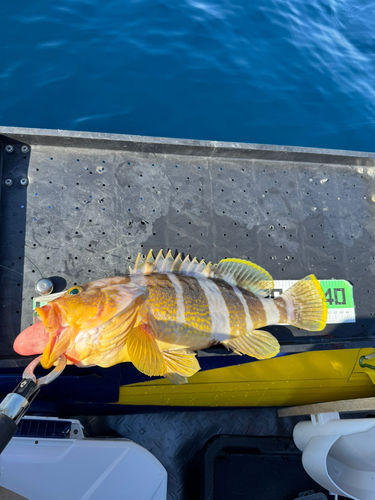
[144, 351]
[258, 344]
[181, 362]
[176, 379]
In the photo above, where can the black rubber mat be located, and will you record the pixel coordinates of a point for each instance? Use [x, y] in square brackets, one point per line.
[239, 467]
[177, 439]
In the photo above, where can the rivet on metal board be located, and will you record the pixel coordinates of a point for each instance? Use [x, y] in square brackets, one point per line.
[9, 148]
[44, 286]
[25, 149]
[24, 181]
[8, 182]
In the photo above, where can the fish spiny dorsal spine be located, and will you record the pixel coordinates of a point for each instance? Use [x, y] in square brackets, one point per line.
[168, 264]
[158, 258]
[177, 263]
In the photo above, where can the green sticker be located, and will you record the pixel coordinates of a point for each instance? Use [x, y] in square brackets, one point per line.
[338, 293]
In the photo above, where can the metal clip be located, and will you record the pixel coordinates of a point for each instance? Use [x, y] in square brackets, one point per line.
[16, 404]
[363, 358]
[29, 371]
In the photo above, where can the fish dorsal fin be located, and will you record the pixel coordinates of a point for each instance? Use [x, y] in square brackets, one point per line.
[244, 274]
[168, 264]
[176, 263]
[193, 267]
[143, 266]
[237, 272]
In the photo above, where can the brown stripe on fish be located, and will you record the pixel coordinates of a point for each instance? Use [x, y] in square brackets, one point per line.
[256, 310]
[197, 310]
[162, 297]
[281, 305]
[236, 310]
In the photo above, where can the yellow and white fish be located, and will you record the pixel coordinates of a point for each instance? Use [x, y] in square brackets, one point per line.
[167, 308]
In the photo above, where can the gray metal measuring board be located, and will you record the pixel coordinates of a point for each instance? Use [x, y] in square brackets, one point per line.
[93, 201]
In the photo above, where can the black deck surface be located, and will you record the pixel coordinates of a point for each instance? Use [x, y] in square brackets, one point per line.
[93, 201]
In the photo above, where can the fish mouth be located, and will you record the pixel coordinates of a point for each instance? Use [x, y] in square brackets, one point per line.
[40, 337]
[57, 346]
[51, 352]
[60, 335]
[51, 336]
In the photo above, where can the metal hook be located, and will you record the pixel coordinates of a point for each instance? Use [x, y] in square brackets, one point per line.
[29, 371]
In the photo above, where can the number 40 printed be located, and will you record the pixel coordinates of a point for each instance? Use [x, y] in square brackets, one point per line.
[335, 296]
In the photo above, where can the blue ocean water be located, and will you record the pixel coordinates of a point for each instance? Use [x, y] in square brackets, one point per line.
[291, 72]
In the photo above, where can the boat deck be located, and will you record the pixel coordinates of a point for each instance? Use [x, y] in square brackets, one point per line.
[93, 201]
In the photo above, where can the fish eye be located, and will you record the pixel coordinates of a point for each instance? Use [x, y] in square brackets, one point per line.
[74, 290]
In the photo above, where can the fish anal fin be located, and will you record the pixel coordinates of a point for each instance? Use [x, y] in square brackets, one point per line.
[258, 344]
[244, 274]
[144, 351]
[181, 362]
[176, 379]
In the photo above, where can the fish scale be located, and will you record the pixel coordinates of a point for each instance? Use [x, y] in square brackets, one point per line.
[162, 297]
[197, 310]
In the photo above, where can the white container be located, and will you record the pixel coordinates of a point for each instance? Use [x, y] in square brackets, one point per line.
[81, 469]
[339, 454]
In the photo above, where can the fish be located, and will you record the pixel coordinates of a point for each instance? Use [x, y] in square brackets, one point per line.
[165, 310]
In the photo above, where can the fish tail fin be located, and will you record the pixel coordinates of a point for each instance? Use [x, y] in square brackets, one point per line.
[306, 306]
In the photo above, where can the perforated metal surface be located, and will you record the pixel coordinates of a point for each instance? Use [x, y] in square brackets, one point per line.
[94, 201]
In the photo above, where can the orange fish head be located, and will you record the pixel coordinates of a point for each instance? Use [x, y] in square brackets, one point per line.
[84, 320]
